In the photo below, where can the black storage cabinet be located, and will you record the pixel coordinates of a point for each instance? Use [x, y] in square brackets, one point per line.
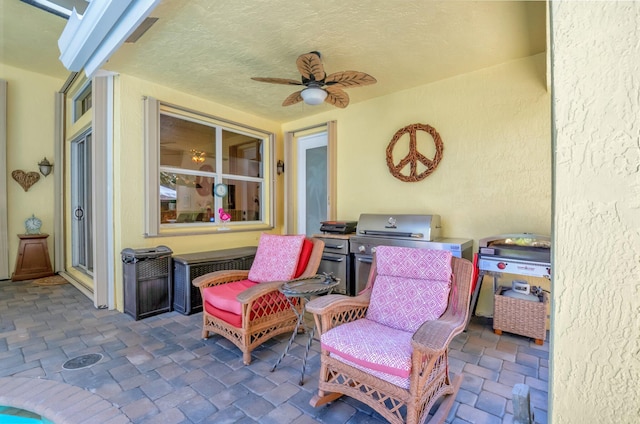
[186, 297]
[147, 281]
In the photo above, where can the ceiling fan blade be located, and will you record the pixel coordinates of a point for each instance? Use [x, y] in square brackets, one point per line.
[349, 79]
[293, 99]
[310, 66]
[337, 97]
[277, 81]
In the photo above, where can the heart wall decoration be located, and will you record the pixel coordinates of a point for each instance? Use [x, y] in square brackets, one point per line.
[25, 179]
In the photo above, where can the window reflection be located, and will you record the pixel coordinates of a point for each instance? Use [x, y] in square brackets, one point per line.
[192, 165]
[186, 198]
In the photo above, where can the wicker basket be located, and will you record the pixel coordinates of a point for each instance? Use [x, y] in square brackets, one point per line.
[522, 317]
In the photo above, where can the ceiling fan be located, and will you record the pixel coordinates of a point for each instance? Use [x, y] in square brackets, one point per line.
[318, 85]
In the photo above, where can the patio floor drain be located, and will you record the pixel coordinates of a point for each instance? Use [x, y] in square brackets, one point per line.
[83, 361]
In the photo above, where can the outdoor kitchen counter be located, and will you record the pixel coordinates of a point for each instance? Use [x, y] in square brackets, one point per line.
[337, 260]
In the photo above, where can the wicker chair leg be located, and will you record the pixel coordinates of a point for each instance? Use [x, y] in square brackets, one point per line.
[440, 415]
[324, 398]
[246, 358]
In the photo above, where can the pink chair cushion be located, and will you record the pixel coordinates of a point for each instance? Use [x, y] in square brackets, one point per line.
[276, 258]
[393, 379]
[307, 248]
[221, 302]
[226, 316]
[223, 296]
[424, 264]
[371, 345]
[412, 286]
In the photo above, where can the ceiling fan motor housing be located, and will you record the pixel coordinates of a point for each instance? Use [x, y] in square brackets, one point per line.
[313, 95]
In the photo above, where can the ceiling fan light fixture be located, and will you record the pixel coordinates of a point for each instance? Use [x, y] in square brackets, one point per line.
[313, 95]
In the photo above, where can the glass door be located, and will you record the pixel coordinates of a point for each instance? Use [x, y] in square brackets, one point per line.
[81, 198]
[312, 183]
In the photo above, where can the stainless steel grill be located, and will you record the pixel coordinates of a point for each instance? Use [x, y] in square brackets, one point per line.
[521, 254]
[406, 230]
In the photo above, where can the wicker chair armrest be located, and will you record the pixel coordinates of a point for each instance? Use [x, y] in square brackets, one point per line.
[435, 336]
[334, 309]
[219, 277]
[327, 304]
[260, 289]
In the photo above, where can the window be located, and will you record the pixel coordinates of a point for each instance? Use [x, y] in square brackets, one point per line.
[205, 165]
[82, 102]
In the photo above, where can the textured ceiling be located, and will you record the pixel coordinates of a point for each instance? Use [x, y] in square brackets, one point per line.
[211, 49]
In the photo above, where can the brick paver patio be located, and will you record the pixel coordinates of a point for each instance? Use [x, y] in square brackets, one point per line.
[159, 370]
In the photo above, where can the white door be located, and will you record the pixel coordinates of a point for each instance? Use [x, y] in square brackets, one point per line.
[312, 180]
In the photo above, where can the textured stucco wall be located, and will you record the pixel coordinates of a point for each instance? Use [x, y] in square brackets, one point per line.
[595, 349]
[129, 172]
[30, 135]
[495, 174]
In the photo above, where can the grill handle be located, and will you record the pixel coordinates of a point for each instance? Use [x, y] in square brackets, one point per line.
[364, 259]
[392, 233]
[332, 259]
[331, 246]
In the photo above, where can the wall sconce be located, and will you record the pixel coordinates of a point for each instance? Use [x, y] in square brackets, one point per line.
[280, 167]
[45, 167]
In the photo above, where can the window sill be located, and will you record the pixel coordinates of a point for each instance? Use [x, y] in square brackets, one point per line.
[167, 231]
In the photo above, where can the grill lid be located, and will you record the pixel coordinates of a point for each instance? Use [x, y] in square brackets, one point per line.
[522, 246]
[403, 226]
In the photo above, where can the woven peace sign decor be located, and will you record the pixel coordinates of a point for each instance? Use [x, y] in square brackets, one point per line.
[413, 158]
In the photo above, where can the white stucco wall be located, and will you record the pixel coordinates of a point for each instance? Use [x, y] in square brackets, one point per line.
[595, 348]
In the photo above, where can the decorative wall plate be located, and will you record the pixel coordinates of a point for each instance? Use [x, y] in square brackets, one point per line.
[203, 184]
[413, 158]
[221, 190]
[25, 179]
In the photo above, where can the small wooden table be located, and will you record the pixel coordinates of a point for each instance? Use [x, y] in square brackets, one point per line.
[33, 258]
[302, 289]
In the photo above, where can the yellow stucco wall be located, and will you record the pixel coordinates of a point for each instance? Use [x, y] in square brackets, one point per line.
[129, 172]
[595, 348]
[30, 135]
[495, 175]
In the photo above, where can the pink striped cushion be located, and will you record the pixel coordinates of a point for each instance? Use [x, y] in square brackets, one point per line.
[404, 303]
[276, 258]
[371, 345]
[393, 379]
[412, 286]
[426, 264]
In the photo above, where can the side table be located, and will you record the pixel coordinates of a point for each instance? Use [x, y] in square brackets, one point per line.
[33, 258]
[302, 289]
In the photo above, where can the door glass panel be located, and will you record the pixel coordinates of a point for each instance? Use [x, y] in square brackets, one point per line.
[316, 181]
[81, 204]
[312, 183]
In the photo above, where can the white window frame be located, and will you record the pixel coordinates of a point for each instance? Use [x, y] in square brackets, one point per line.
[153, 109]
[79, 98]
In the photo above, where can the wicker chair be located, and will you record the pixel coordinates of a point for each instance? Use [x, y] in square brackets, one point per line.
[259, 311]
[398, 399]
